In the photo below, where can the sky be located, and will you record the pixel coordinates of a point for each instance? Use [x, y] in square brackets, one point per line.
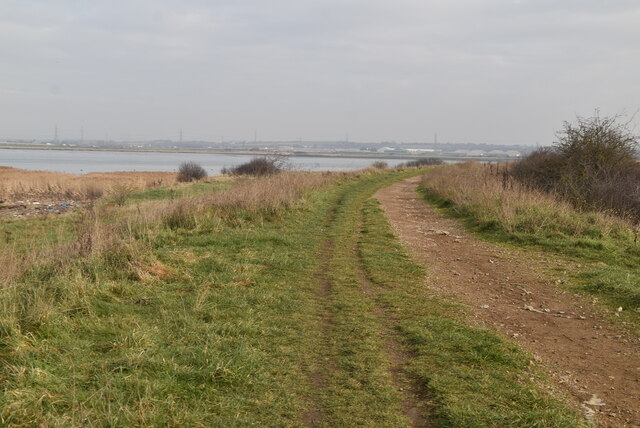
[485, 71]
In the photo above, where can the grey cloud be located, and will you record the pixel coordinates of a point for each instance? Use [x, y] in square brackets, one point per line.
[480, 70]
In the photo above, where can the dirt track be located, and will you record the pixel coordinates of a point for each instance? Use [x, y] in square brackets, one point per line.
[512, 291]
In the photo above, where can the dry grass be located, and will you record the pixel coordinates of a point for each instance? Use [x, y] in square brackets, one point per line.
[493, 201]
[108, 229]
[19, 184]
[248, 199]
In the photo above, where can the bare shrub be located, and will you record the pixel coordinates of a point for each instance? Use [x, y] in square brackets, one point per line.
[380, 165]
[540, 169]
[190, 171]
[593, 165]
[258, 166]
[120, 193]
[92, 191]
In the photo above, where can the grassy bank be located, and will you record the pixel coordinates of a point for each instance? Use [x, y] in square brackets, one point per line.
[603, 248]
[275, 302]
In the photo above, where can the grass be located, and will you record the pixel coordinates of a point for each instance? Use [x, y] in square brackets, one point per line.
[180, 191]
[476, 378]
[189, 330]
[604, 247]
[221, 320]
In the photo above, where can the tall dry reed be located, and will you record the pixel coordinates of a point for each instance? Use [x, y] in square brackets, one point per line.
[248, 199]
[19, 184]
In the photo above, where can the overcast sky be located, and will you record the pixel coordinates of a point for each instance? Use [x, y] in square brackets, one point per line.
[494, 71]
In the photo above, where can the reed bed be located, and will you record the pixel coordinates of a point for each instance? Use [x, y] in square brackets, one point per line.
[18, 184]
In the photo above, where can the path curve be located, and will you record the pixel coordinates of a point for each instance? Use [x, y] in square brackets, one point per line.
[511, 291]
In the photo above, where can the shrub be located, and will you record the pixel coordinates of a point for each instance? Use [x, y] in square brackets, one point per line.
[592, 165]
[421, 162]
[258, 166]
[380, 165]
[540, 169]
[190, 171]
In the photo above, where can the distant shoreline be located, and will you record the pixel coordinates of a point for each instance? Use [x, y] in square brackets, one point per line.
[346, 155]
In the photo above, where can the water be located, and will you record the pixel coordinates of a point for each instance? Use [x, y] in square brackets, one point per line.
[80, 162]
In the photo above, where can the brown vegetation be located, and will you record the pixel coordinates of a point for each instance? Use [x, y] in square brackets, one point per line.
[18, 184]
[485, 193]
[380, 165]
[190, 171]
[593, 165]
[267, 165]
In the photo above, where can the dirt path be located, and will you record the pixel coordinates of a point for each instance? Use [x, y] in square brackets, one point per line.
[589, 358]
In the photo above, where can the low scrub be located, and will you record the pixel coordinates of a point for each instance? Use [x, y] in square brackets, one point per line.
[18, 184]
[247, 200]
[380, 165]
[258, 167]
[102, 227]
[421, 162]
[190, 171]
[492, 202]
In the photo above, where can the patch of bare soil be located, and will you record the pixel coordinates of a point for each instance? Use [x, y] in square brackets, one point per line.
[588, 357]
[37, 208]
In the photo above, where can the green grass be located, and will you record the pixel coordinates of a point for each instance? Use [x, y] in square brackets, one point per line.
[179, 191]
[476, 378]
[223, 323]
[23, 235]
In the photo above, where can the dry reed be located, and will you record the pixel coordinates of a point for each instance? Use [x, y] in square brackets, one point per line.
[17, 184]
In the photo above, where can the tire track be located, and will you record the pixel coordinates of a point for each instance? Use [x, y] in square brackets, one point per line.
[415, 399]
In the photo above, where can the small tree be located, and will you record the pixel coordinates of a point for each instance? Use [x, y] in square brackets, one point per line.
[597, 143]
[190, 171]
[593, 164]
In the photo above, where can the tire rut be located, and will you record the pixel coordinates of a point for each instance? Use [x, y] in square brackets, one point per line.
[315, 413]
[415, 399]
